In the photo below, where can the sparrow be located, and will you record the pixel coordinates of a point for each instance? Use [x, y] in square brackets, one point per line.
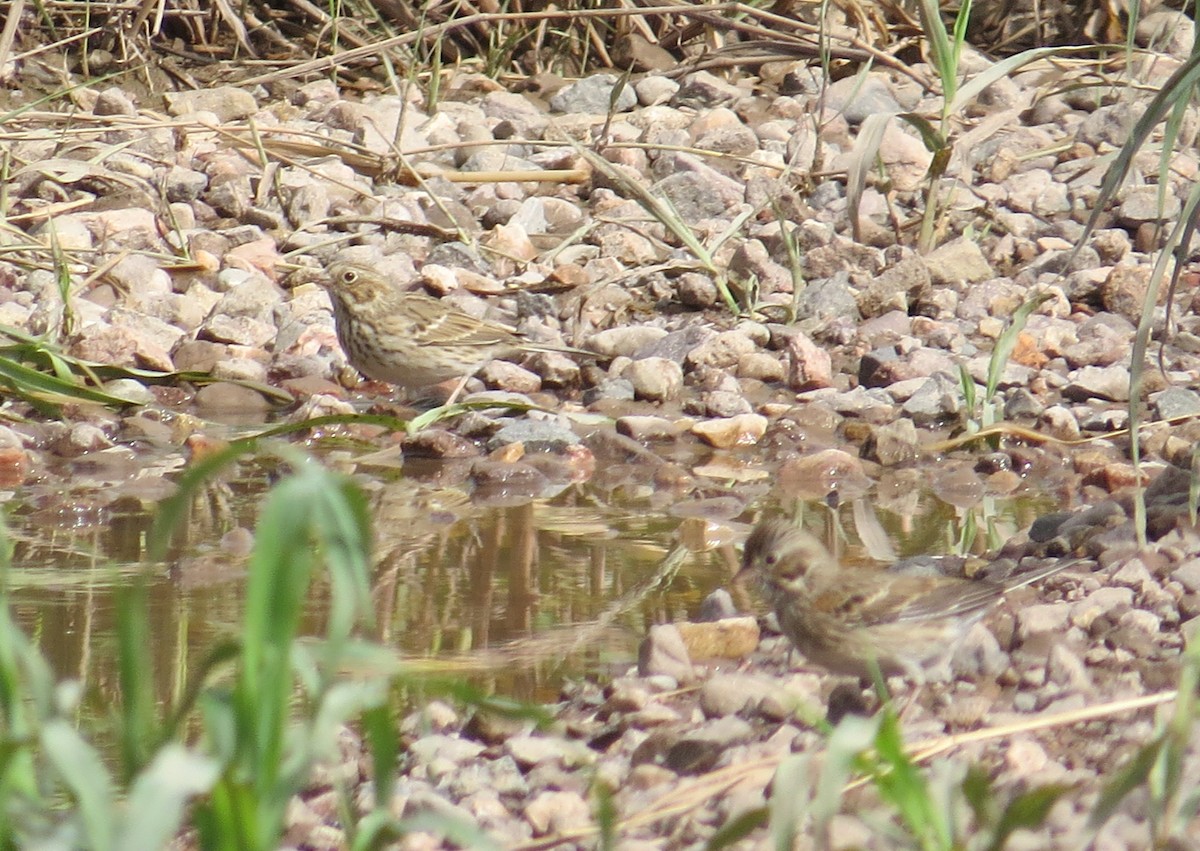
[854, 620]
[410, 339]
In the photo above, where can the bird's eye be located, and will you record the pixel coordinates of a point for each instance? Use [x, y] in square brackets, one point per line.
[769, 560]
[349, 276]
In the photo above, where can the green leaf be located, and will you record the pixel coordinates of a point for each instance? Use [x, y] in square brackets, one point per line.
[1127, 779]
[1027, 812]
[81, 770]
[1008, 341]
[738, 828]
[157, 804]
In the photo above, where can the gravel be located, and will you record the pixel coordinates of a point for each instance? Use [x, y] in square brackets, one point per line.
[855, 351]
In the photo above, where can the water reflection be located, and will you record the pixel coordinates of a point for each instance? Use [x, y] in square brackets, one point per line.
[517, 592]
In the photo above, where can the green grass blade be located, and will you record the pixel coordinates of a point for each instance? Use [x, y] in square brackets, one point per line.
[139, 724]
[1126, 780]
[172, 509]
[863, 156]
[1007, 341]
[1179, 86]
[49, 388]
[158, 801]
[81, 771]
[384, 744]
[738, 828]
[1027, 811]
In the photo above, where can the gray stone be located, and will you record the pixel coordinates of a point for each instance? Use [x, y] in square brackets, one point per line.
[700, 193]
[729, 694]
[594, 95]
[892, 443]
[724, 403]
[663, 652]
[1188, 574]
[896, 288]
[558, 812]
[718, 605]
[656, 379]
[1175, 402]
[721, 351]
[226, 102]
[937, 400]
[626, 340]
[645, 428]
[858, 98]
[1042, 618]
[827, 298]
[1098, 382]
[536, 435]
[957, 262]
[1142, 204]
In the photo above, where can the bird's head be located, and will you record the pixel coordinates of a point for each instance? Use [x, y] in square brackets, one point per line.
[356, 284]
[783, 556]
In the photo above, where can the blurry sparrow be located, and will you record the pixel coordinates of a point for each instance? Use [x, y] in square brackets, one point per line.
[410, 339]
[846, 619]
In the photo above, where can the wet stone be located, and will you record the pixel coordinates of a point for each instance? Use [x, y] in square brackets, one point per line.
[809, 365]
[535, 435]
[610, 391]
[231, 398]
[893, 443]
[646, 428]
[663, 651]
[1021, 404]
[935, 401]
[742, 430]
[508, 479]
[724, 403]
[719, 604]
[439, 443]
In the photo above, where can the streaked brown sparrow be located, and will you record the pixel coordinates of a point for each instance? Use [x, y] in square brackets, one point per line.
[847, 618]
[410, 339]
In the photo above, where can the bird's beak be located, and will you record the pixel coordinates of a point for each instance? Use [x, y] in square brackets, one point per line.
[744, 573]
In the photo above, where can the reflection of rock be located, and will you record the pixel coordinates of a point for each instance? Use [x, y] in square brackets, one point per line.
[816, 476]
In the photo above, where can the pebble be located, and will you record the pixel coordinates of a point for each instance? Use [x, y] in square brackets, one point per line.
[726, 433]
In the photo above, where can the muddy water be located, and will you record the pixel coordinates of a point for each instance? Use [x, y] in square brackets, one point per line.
[513, 590]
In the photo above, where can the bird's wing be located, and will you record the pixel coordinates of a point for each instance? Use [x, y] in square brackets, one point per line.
[442, 325]
[868, 598]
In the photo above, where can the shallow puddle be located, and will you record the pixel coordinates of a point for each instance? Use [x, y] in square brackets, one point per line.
[515, 590]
